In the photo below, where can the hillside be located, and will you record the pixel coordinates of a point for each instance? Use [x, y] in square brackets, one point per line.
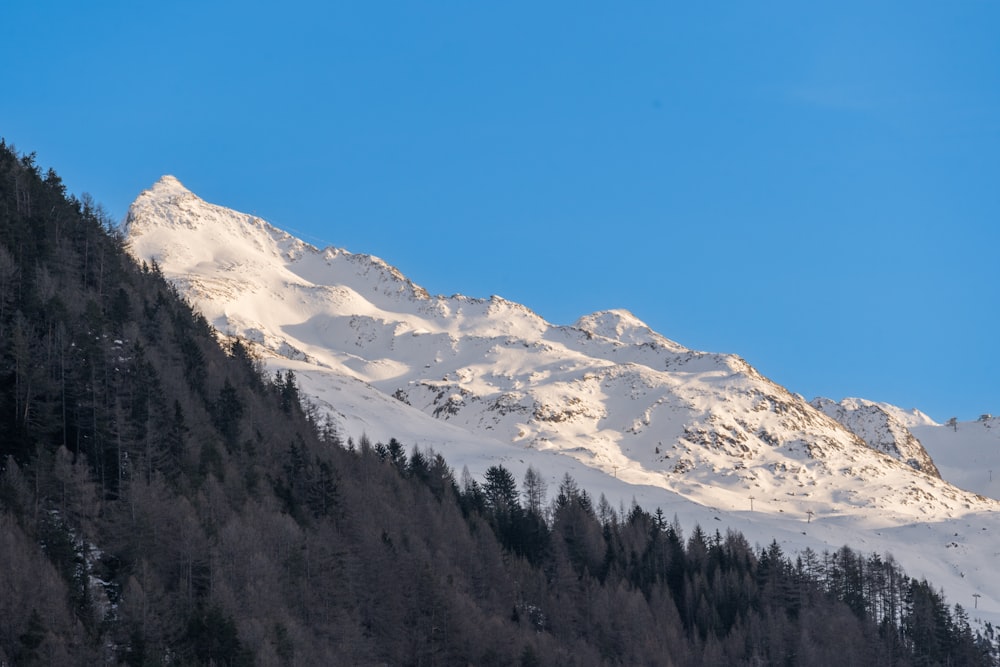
[166, 500]
[624, 409]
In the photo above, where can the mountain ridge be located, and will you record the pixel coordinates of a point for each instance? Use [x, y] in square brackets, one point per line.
[491, 365]
[484, 380]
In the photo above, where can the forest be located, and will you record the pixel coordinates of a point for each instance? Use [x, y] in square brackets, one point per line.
[164, 501]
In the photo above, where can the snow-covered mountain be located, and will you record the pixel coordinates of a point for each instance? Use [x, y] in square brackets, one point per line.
[627, 411]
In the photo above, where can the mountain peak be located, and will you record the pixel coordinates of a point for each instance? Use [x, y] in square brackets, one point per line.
[157, 204]
[168, 187]
[169, 180]
[622, 326]
[617, 324]
[212, 234]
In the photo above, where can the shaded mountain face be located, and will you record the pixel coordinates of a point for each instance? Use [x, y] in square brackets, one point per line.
[376, 351]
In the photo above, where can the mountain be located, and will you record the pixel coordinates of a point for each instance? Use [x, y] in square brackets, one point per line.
[632, 413]
[166, 500]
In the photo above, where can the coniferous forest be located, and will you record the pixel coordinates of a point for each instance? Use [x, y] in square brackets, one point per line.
[163, 501]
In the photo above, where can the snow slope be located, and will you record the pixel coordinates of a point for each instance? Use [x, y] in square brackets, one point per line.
[626, 411]
[967, 454]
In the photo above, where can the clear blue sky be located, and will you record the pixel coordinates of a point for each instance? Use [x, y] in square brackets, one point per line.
[813, 186]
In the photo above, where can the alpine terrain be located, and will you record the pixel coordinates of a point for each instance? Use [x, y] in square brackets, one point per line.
[277, 486]
[628, 412]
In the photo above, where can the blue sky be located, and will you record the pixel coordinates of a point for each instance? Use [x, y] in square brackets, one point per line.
[813, 186]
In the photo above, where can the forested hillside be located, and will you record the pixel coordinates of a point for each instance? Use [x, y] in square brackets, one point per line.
[164, 502]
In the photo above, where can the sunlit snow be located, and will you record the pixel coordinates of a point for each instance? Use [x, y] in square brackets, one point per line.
[624, 410]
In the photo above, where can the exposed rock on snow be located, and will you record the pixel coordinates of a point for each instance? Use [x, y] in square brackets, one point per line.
[878, 425]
